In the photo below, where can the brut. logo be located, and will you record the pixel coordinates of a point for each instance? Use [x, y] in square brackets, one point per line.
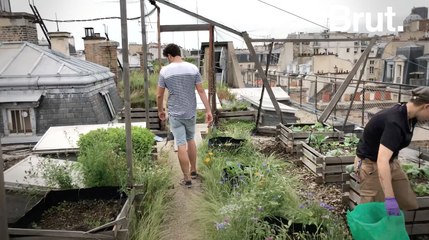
[341, 19]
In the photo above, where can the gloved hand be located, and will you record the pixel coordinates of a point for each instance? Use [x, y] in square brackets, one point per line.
[392, 207]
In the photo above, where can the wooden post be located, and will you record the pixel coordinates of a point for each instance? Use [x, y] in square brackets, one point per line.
[127, 103]
[144, 56]
[3, 214]
[263, 87]
[211, 72]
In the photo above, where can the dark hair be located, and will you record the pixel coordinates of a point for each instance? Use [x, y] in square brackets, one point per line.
[171, 49]
[420, 95]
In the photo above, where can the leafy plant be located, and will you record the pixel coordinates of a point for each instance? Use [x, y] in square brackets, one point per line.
[235, 105]
[102, 154]
[317, 141]
[419, 177]
[58, 175]
[317, 127]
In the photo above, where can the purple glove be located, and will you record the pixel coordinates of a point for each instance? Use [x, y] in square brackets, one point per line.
[392, 207]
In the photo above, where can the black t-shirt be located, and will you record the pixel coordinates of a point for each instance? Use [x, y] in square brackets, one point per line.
[389, 127]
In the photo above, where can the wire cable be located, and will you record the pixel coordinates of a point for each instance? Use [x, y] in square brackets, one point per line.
[96, 19]
[293, 14]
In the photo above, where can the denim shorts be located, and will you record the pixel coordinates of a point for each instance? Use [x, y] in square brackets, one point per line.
[183, 129]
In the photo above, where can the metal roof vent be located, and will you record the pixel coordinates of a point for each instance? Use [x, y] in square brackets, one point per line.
[89, 32]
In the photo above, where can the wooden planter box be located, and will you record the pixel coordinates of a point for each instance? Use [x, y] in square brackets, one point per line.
[115, 230]
[326, 169]
[416, 221]
[292, 140]
[139, 115]
[249, 115]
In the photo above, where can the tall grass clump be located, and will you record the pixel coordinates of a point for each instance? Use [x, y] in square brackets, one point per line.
[246, 191]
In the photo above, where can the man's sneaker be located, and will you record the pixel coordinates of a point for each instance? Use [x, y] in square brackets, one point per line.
[194, 175]
[187, 184]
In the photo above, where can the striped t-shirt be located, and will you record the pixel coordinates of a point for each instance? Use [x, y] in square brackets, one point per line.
[180, 80]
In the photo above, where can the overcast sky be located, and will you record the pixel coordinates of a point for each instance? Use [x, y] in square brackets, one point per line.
[253, 16]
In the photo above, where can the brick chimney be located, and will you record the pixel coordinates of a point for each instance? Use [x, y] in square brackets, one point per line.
[60, 42]
[101, 51]
[17, 27]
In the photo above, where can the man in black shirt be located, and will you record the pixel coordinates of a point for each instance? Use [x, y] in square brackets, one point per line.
[376, 164]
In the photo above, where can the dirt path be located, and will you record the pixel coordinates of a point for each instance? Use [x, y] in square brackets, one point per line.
[182, 222]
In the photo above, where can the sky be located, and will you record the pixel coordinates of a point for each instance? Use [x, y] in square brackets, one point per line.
[254, 16]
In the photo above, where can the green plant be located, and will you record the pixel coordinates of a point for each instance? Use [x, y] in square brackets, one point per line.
[155, 177]
[317, 141]
[224, 94]
[418, 177]
[137, 89]
[102, 154]
[235, 105]
[317, 127]
[238, 211]
[57, 174]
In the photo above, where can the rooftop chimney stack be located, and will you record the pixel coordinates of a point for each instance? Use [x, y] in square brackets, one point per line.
[60, 42]
[101, 51]
[16, 26]
[5, 6]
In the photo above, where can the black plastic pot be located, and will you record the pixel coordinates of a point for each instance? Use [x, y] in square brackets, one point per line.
[278, 222]
[226, 143]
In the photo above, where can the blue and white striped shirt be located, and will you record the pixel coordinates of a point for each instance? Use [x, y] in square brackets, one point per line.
[180, 80]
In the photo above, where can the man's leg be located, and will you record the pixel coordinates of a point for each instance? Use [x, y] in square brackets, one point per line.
[192, 154]
[401, 187]
[179, 132]
[184, 161]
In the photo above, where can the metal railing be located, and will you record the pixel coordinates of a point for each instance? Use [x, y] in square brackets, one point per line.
[314, 92]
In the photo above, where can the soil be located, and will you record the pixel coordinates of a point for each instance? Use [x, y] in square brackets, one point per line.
[79, 216]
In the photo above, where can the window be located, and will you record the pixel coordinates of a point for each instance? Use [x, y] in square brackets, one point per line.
[109, 103]
[19, 121]
[371, 69]
[371, 62]
[348, 50]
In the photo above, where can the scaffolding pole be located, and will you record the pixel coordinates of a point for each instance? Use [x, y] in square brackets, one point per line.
[127, 103]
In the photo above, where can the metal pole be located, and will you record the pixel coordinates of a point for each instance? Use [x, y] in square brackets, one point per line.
[336, 98]
[144, 56]
[158, 25]
[315, 96]
[3, 214]
[263, 87]
[354, 94]
[127, 102]
[300, 91]
[258, 66]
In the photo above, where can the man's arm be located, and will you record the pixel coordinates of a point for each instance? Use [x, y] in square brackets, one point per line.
[385, 176]
[383, 166]
[160, 102]
[203, 96]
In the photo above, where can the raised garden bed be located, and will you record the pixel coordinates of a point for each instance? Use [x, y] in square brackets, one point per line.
[326, 169]
[89, 213]
[416, 221]
[247, 115]
[291, 135]
[328, 160]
